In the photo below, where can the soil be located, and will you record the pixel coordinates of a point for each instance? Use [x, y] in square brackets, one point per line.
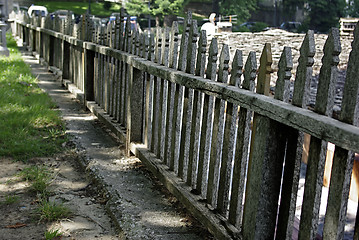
[69, 186]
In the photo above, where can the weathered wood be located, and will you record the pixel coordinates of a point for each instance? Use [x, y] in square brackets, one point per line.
[284, 74]
[229, 137]
[217, 132]
[334, 222]
[171, 92]
[206, 128]
[317, 150]
[163, 98]
[148, 107]
[304, 71]
[264, 167]
[295, 142]
[157, 94]
[242, 145]
[178, 96]
[149, 92]
[188, 104]
[196, 117]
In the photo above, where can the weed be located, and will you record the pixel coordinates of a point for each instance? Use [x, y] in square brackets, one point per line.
[51, 211]
[52, 234]
[40, 178]
[10, 199]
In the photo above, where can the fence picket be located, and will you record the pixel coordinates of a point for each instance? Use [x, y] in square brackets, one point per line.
[264, 166]
[295, 141]
[178, 97]
[217, 132]
[188, 104]
[229, 138]
[171, 93]
[343, 159]
[164, 95]
[242, 144]
[196, 117]
[317, 150]
[206, 128]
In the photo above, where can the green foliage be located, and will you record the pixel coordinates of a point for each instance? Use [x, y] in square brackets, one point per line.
[97, 8]
[290, 7]
[51, 211]
[158, 8]
[259, 26]
[352, 8]
[324, 14]
[27, 116]
[240, 8]
[107, 5]
[52, 234]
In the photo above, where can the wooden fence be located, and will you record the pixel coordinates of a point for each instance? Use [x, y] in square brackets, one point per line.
[228, 151]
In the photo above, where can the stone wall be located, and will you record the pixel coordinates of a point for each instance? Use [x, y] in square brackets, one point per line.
[279, 38]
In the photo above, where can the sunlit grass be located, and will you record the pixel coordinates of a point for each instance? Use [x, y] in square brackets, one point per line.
[30, 125]
[80, 7]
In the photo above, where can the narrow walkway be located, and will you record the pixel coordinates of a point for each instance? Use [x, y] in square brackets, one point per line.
[137, 205]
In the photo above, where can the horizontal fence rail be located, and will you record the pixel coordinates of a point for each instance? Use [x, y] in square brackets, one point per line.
[212, 132]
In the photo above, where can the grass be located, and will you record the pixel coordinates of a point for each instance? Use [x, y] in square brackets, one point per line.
[80, 7]
[51, 211]
[40, 178]
[53, 234]
[10, 199]
[30, 125]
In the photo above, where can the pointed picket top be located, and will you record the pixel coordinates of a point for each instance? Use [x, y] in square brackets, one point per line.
[136, 43]
[237, 69]
[250, 72]
[174, 45]
[142, 44]
[304, 71]
[102, 36]
[151, 54]
[264, 71]
[192, 46]
[201, 54]
[158, 45]
[165, 46]
[127, 42]
[122, 30]
[328, 74]
[182, 60]
[117, 32]
[284, 73]
[223, 64]
[146, 47]
[350, 107]
[212, 60]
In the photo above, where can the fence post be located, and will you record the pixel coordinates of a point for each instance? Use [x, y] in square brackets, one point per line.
[134, 107]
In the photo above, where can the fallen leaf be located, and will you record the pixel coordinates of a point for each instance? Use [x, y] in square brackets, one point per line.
[17, 225]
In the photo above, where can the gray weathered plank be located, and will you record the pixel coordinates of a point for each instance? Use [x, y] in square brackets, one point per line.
[188, 104]
[295, 142]
[196, 117]
[242, 146]
[229, 137]
[171, 92]
[334, 222]
[264, 167]
[217, 132]
[317, 150]
[206, 128]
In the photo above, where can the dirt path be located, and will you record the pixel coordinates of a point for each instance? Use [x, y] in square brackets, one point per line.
[69, 186]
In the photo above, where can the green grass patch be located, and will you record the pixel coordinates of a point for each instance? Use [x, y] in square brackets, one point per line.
[53, 234]
[80, 7]
[30, 125]
[9, 199]
[51, 211]
[40, 179]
